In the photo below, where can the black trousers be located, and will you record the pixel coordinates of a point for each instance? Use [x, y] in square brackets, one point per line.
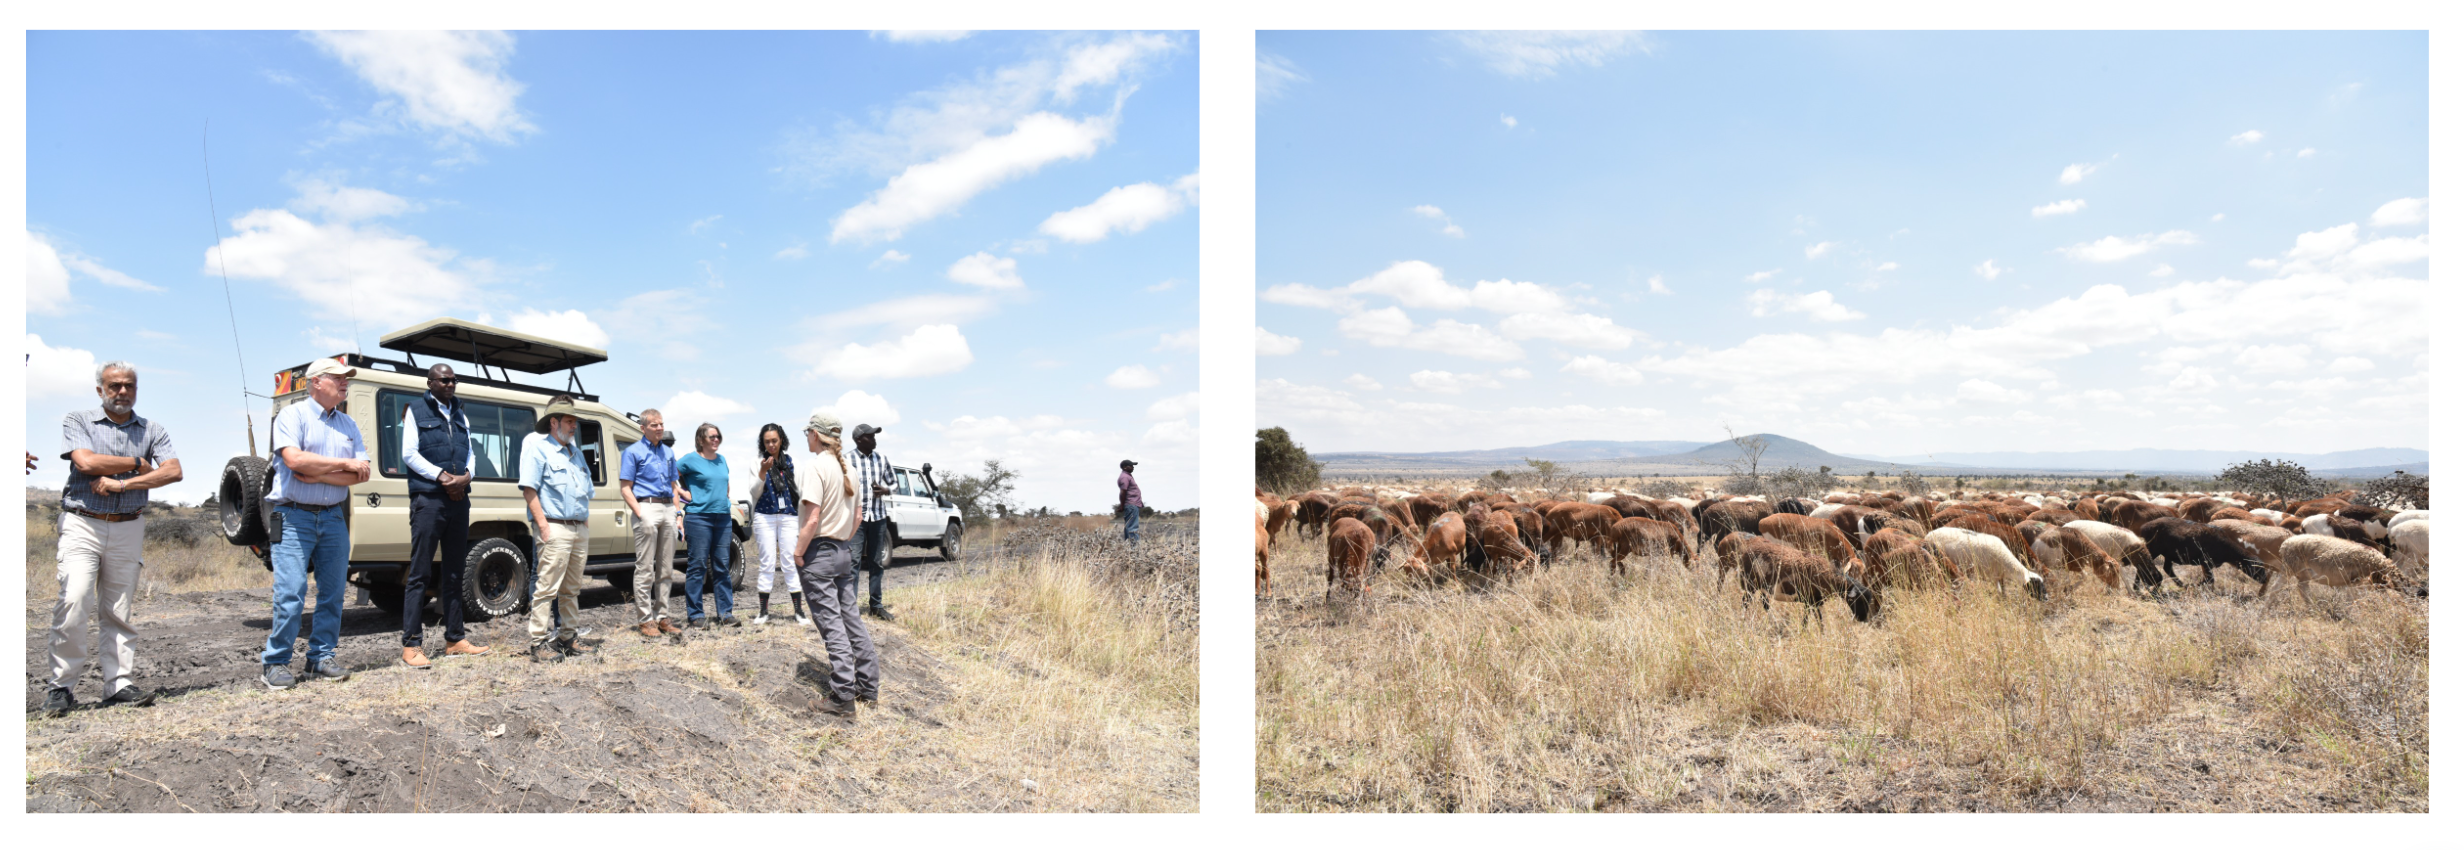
[436, 521]
[872, 551]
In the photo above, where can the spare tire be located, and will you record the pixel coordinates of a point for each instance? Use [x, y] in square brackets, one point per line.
[494, 579]
[240, 502]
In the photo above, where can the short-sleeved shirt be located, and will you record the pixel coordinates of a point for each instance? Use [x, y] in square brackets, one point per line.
[93, 431]
[1129, 489]
[820, 481]
[706, 480]
[317, 431]
[871, 468]
[559, 473]
[652, 469]
[776, 495]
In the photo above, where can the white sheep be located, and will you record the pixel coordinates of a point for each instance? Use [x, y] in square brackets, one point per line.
[2412, 544]
[1981, 554]
[2332, 562]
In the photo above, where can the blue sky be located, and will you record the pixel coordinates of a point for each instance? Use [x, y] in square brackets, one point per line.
[986, 242]
[1882, 243]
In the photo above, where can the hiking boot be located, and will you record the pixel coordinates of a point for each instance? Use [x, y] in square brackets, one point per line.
[465, 649]
[873, 697]
[840, 707]
[544, 651]
[278, 677]
[414, 659]
[327, 668]
[649, 630]
[58, 702]
[728, 620]
[879, 612]
[132, 696]
[668, 627]
[697, 623]
[568, 648]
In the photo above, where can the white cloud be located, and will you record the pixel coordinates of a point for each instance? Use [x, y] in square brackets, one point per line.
[687, 410]
[1659, 287]
[1177, 432]
[61, 372]
[1180, 340]
[1132, 377]
[1816, 305]
[2247, 137]
[1338, 421]
[1989, 271]
[1537, 54]
[1427, 211]
[792, 252]
[1601, 369]
[922, 36]
[1180, 406]
[2161, 270]
[1759, 277]
[450, 82]
[1276, 75]
[1887, 266]
[1363, 383]
[1304, 295]
[2273, 358]
[1163, 285]
[341, 271]
[1816, 250]
[909, 313]
[928, 190]
[2306, 153]
[2116, 248]
[1127, 209]
[1440, 381]
[2324, 244]
[46, 277]
[562, 325]
[986, 270]
[857, 407]
[890, 257]
[2077, 171]
[2059, 208]
[926, 351]
[333, 202]
[2401, 211]
[2351, 364]
[1271, 344]
[1390, 328]
[1507, 120]
[1988, 392]
[1576, 329]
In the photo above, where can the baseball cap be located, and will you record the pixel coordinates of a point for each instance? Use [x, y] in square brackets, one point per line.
[1128, 463]
[867, 430]
[328, 366]
[824, 422]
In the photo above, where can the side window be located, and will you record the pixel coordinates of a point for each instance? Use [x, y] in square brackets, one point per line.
[496, 439]
[389, 407]
[622, 446]
[593, 451]
[906, 482]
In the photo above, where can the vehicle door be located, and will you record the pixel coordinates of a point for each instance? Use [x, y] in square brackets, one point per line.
[902, 505]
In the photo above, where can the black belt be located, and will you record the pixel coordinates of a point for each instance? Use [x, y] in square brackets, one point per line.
[107, 517]
[310, 508]
[580, 522]
[663, 500]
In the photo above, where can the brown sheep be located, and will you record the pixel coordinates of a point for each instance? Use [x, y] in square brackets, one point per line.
[1348, 546]
[1895, 557]
[1731, 550]
[1263, 542]
[2333, 562]
[2266, 542]
[2201, 509]
[1424, 510]
[2230, 512]
[1314, 511]
[2134, 514]
[2056, 516]
[2086, 508]
[1647, 538]
[1501, 543]
[2071, 550]
[1811, 535]
[1772, 568]
[1580, 522]
[1745, 515]
[1915, 508]
[1443, 543]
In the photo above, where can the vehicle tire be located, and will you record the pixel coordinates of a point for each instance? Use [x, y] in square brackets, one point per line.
[736, 567]
[241, 501]
[622, 580]
[493, 578]
[387, 595]
[952, 536]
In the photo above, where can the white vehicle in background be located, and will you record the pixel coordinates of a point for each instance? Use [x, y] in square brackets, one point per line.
[920, 516]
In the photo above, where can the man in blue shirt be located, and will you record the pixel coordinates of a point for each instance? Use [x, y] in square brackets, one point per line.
[436, 455]
[114, 457]
[646, 477]
[556, 486]
[318, 455]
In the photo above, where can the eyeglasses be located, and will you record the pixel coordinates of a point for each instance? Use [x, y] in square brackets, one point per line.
[117, 386]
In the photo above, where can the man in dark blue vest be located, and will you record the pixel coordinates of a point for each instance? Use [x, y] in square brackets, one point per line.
[436, 454]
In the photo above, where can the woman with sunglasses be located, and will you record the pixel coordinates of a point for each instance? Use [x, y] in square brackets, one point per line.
[708, 529]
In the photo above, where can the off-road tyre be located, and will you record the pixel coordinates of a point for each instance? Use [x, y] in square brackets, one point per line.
[241, 500]
[736, 567]
[493, 577]
[952, 537]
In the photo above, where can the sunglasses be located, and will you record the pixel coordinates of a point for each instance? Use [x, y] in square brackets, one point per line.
[446, 381]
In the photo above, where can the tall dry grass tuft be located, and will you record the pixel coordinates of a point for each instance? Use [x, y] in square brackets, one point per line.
[1574, 688]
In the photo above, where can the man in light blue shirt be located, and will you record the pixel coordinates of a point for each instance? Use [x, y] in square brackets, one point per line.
[318, 455]
[556, 485]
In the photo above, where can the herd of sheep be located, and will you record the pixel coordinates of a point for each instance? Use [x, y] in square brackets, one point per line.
[1848, 544]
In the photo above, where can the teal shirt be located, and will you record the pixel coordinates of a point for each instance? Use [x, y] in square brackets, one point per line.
[706, 480]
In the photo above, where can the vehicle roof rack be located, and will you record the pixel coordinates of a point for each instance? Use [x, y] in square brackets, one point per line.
[362, 361]
[487, 347]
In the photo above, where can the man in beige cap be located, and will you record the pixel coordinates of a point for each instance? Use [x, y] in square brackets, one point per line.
[318, 455]
[555, 481]
[828, 514]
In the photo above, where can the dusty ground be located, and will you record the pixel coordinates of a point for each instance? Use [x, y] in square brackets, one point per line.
[979, 712]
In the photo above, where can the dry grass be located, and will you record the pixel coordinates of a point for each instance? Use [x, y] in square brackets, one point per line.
[170, 567]
[1572, 689]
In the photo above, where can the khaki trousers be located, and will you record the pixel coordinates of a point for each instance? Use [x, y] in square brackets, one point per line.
[562, 548]
[654, 561]
[98, 574]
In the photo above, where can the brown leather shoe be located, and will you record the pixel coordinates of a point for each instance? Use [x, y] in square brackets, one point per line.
[461, 648]
[414, 659]
[649, 630]
[667, 627]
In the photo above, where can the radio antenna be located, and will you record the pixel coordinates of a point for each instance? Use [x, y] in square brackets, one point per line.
[214, 218]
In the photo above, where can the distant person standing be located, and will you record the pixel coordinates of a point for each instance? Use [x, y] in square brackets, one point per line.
[114, 456]
[774, 522]
[873, 481]
[827, 520]
[646, 477]
[438, 462]
[556, 488]
[1130, 500]
[318, 455]
[708, 529]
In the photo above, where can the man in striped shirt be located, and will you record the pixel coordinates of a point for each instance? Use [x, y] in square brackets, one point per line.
[873, 481]
[114, 457]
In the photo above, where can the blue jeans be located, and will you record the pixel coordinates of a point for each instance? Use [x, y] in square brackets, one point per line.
[317, 541]
[706, 539]
[1129, 524]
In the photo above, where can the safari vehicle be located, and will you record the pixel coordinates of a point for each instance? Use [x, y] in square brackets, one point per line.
[920, 516]
[502, 412]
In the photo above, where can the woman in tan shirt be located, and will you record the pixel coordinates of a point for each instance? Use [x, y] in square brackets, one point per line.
[827, 515]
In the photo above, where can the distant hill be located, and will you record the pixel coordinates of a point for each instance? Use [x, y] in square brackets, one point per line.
[1685, 458]
[2422, 468]
[2166, 460]
[1569, 450]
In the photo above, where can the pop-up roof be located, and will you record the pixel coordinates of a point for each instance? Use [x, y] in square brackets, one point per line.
[471, 342]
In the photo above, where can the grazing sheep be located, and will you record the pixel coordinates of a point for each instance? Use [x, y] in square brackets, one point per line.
[1719, 519]
[1980, 554]
[2134, 514]
[1812, 535]
[1772, 568]
[2403, 517]
[2412, 544]
[2011, 537]
[2333, 562]
[1501, 543]
[1730, 548]
[1313, 510]
[2174, 540]
[1348, 544]
[1263, 542]
[2264, 542]
[2063, 548]
[1893, 557]
[1444, 543]
[1648, 538]
[1581, 523]
[2338, 526]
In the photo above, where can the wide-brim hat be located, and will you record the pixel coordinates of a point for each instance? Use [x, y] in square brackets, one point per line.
[555, 409]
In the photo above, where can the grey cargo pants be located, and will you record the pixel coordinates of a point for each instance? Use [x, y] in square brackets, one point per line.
[829, 578]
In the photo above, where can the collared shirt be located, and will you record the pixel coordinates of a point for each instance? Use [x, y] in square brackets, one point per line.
[823, 483]
[871, 468]
[559, 473]
[411, 458]
[652, 469]
[706, 480]
[777, 488]
[1129, 490]
[93, 431]
[317, 431]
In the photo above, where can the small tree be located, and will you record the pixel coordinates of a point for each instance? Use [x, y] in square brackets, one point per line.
[1546, 469]
[1283, 466]
[1912, 484]
[2398, 490]
[1500, 477]
[1797, 481]
[981, 497]
[2281, 479]
[1745, 470]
